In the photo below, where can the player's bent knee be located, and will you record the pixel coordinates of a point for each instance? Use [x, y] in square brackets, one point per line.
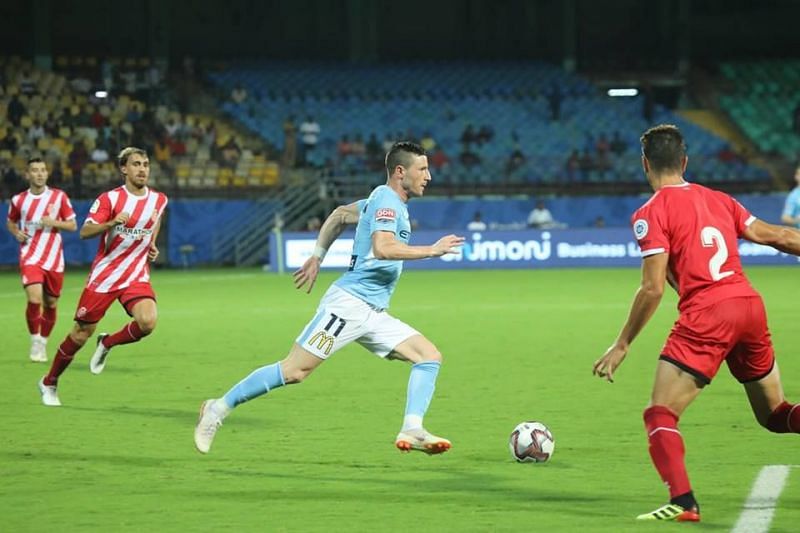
[147, 325]
[434, 355]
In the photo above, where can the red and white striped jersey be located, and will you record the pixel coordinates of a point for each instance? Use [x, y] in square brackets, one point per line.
[122, 255]
[44, 247]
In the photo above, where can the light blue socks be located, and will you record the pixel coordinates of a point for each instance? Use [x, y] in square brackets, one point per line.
[259, 382]
[421, 384]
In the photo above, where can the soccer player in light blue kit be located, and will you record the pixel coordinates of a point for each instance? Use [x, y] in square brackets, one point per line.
[354, 307]
[791, 210]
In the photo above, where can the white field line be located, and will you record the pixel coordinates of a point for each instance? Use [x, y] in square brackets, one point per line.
[759, 507]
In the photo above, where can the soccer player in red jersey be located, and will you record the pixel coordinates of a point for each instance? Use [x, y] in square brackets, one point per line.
[35, 217]
[127, 219]
[688, 235]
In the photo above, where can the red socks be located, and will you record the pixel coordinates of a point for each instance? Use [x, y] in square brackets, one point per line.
[666, 449]
[33, 315]
[129, 333]
[785, 419]
[48, 321]
[64, 355]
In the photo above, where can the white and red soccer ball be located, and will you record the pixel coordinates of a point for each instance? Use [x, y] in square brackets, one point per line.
[531, 442]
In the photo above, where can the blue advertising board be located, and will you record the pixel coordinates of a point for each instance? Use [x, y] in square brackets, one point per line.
[595, 247]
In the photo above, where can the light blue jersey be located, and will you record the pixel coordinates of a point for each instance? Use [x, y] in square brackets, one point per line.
[373, 280]
[792, 206]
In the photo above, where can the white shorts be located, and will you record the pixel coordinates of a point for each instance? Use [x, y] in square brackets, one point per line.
[343, 318]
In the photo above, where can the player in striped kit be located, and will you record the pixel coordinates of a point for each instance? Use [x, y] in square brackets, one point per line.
[35, 218]
[127, 219]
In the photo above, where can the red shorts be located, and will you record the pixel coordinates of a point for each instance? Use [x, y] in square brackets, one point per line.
[93, 305]
[51, 281]
[732, 330]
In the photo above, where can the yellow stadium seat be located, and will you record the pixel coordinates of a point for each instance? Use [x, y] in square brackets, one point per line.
[271, 174]
[225, 177]
[43, 144]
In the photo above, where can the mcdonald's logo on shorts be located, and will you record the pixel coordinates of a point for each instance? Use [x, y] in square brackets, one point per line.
[323, 341]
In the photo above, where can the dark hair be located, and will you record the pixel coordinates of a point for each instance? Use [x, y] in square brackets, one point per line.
[400, 154]
[122, 158]
[34, 159]
[664, 148]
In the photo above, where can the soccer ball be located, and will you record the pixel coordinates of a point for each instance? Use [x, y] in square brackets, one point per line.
[531, 442]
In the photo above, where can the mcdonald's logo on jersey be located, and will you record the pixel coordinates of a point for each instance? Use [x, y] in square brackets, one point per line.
[323, 340]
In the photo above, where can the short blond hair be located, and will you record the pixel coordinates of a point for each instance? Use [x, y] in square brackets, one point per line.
[122, 158]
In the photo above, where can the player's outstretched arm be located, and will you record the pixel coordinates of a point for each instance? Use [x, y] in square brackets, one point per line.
[386, 246]
[334, 225]
[645, 303]
[781, 238]
[90, 229]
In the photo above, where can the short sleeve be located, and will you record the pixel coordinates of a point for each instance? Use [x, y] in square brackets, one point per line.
[649, 232]
[66, 212]
[14, 213]
[100, 212]
[384, 213]
[741, 217]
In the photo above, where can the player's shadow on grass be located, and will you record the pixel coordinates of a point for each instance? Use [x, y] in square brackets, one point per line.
[468, 482]
[187, 417]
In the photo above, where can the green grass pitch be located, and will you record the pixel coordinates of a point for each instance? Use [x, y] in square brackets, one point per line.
[319, 456]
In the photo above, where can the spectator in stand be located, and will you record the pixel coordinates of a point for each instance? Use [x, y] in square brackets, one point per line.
[313, 224]
[374, 153]
[26, 84]
[540, 217]
[468, 137]
[602, 146]
[35, 132]
[358, 150]
[603, 162]
[9, 142]
[427, 142]
[586, 163]
[78, 159]
[99, 154]
[172, 127]
[515, 161]
[309, 133]
[51, 125]
[162, 153]
[572, 166]
[11, 180]
[554, 98]
[15, 111]
[134, 114]
[469, 158]
[485, 134]
[438, 159]
[231, 153]
[344, 149]
[476, 224]
[617, 145]
[388, 142]
[599, 222]
[289, 156]
[97, 120]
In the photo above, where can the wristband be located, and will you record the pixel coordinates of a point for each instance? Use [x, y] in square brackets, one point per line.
[319, 252]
